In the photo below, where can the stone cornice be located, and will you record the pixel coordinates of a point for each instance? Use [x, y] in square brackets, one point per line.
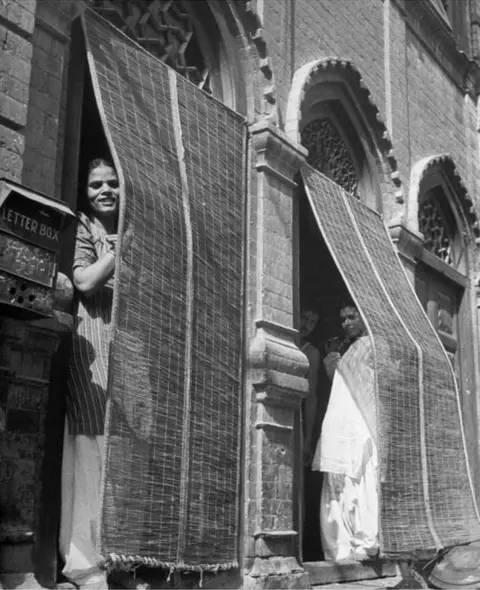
[409, 242]
[436, 34]
[275, 151]
[273, 351]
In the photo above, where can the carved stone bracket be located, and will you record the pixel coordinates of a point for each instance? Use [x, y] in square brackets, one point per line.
[277, 369]
[409, 245]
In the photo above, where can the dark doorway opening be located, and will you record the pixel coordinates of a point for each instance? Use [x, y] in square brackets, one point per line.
[321, 286]
[84, 141]
[93, 143]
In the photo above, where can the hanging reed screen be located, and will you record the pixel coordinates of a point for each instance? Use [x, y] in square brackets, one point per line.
[426, 489]
[171, 484]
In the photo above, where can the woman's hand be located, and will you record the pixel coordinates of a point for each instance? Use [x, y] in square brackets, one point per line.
[330, 363]
[88, 280]
[127, 239]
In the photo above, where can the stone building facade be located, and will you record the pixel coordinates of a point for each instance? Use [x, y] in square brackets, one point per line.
[380, 95]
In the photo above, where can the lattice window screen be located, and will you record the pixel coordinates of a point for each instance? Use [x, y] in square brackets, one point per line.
[435, 228]
[165, 29]
[329, 154]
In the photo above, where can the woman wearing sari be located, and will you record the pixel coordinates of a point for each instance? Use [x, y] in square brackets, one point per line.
[347, 449]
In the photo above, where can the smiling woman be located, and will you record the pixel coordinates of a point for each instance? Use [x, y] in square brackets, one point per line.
[103, 191]
[93, 268]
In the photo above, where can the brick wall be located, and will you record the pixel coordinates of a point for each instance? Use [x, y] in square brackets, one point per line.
[323, 28]
[424, 108]
[46, 112]
[17, 23]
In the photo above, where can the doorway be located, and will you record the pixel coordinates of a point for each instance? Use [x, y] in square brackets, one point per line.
[84, 140]
[321, 287]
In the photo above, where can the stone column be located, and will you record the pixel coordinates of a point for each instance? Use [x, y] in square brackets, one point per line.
[276, 368]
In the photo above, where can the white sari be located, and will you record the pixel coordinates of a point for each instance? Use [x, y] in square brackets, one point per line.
[347, 453]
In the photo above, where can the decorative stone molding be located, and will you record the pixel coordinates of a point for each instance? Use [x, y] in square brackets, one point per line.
[444, 164]
[252, 21]
[276, 370]
[409, 245]
[344, 71]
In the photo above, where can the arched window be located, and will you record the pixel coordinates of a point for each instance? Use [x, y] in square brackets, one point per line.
[329, 153]
[442, 273]
[445, 218]
[338, 144]
[437, 224]
[183, 34]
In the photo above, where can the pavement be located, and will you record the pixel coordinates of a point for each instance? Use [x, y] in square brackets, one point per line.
[28, 582]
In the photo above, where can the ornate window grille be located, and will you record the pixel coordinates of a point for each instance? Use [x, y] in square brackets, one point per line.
[433, 224]
[329, 154]
[165, 29]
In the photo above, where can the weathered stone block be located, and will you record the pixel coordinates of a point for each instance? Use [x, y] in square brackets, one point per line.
[277, 582]
[16, 67]
[262, 567]
[21, 13]
[14, 88]
[12, 140]
[10, 163]
[13, 110]
[15, 45]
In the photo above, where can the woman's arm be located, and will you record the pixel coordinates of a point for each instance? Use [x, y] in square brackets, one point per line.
[89, 279]
[90, 273]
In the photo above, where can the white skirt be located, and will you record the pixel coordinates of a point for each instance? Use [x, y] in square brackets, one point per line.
[83, 458]
[349, 514]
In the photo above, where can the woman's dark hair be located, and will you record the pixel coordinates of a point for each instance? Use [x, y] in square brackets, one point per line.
[98, 162]
[347, 301]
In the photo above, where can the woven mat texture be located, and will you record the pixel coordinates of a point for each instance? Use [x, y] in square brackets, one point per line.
[426, 491]
[171, 489]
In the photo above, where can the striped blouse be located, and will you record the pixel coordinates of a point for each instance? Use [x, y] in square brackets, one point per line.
[88, 365]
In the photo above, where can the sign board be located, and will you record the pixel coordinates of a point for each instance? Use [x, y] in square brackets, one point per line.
[31, 225]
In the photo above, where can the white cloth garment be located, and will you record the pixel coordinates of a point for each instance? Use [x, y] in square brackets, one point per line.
[347, 454]
[83, 459]
[349, 515]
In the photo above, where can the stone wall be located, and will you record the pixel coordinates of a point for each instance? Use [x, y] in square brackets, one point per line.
[416, 77]
[17, 18]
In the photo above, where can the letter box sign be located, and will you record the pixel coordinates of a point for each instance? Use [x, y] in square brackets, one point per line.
[30, 228]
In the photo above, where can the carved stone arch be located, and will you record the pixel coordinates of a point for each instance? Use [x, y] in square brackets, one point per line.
[203, 40]
[333, 78]
[264, 92]
[440, 170]
[235, 44]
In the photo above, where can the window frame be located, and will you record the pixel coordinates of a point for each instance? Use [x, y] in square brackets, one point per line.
[317, 105]
[461, 280]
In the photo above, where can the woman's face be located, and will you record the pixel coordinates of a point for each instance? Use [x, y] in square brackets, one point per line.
[103, 191]
[308, 322]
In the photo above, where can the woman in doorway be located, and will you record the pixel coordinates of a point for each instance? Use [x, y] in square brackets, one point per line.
[347, 449]
[83, 456]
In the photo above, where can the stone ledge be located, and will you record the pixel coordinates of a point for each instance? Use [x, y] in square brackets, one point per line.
[19, 582]
[325, 572]
[15, 559]
[276, 582]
